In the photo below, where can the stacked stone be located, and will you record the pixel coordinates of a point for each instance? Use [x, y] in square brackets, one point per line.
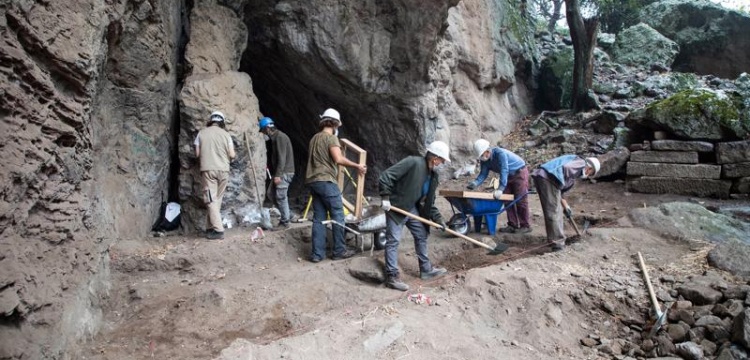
[675, 167]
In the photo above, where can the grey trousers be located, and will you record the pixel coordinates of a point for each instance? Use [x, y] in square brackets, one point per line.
[550, 196]
[282, 200]
[393, 231]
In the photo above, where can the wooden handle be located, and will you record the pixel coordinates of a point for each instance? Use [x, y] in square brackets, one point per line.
[438, 226]
[648, 285]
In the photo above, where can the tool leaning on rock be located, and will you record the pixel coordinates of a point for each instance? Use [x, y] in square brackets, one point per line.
[497, 250]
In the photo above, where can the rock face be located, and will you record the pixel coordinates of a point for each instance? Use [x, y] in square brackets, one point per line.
[699, 114]
[399, 79]
[711, 38]
[86, 134]
[641, 45]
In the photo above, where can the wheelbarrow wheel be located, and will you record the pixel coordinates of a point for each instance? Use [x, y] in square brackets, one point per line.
[460, 224]
[379, 240]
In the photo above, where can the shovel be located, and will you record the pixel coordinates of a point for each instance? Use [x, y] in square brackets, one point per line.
[661, 317]
[575, 227]
[499, 249]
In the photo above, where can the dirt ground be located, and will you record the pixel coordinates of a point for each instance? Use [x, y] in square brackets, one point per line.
[185, 297]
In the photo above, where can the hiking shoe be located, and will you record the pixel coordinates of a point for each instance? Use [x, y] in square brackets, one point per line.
[435, 272]
[508, 230]
[347, 254]
[396, 283]
[523, 230]
[315, 260]
[558, 245]
[215, 235]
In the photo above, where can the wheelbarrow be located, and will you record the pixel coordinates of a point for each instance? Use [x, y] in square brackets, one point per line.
[485, 209]
[369, 231]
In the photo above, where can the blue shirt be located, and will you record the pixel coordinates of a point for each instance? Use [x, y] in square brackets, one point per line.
[504, 162]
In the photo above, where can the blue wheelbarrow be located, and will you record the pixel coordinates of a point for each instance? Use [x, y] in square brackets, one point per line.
[481, 209]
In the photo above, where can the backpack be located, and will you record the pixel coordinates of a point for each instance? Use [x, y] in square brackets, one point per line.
[169, 217]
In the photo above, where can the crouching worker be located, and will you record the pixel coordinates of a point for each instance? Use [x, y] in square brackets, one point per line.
[410, 185]
[554, 178]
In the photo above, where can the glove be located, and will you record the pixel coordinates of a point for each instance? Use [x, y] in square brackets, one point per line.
[568, 212]
[385, 205]
[442, 225]
[471, 186]
[497, 194]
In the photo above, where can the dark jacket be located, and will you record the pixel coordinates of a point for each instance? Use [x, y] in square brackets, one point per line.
[402, 183]
[282, 154]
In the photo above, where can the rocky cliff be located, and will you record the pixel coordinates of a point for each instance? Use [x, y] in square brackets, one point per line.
[101, 101]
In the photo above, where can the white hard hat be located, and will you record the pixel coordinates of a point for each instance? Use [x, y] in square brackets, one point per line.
[439, 149]
[594, 163]
[331, 113]
[480, 146]
[217, 116]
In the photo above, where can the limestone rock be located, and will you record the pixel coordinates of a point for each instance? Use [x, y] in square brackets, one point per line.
[731, 256]
[676, 157]
[641, 45]
[696, 114]
[688, 220]
[668, 185]
[711, 37]
[695, 171]
[231, 93]
[613, 161]
[218, 37]
[733, 152]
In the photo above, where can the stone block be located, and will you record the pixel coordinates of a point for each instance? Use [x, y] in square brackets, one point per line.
[737, 170]
[741, 186]
[692, 171]
[692, 187]
[677, 145]
[733, 152]
[675, 157]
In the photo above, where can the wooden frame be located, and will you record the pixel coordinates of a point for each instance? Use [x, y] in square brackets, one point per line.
[355, 208]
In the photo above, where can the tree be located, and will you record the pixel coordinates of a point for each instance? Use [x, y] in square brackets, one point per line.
[616, 15]
[550, 10]
[583, 34]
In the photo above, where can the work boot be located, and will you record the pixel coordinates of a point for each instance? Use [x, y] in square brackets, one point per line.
[558, 245]
[215, 235]
[347, 254]
[394, 282]
[508, 230]
[435, 272]
[281, 226]
[523, 230]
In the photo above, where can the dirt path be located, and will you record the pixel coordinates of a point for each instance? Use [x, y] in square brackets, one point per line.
[186, 297]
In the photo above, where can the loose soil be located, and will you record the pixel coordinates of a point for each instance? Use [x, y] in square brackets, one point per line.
[185, 297]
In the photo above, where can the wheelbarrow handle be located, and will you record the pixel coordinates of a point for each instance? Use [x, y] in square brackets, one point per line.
[438, 226]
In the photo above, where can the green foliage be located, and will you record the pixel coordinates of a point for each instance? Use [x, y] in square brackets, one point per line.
[616, 15]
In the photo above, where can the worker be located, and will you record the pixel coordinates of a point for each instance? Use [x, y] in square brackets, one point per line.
[215, 149]
[322, 170]
[554, 178]
[411, 185]
[282, 168]
[514, 179]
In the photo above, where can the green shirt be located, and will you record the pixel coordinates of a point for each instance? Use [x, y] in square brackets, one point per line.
[320, 164]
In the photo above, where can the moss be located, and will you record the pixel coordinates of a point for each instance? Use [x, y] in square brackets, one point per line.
[682, 81]
[695, 114]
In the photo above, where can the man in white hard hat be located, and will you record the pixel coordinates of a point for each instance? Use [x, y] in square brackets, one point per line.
[321, 175]
[554, 178]
[514, 179]
[215, 149]
[411, 185]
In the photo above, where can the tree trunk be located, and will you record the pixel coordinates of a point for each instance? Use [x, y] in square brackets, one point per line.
[554, 16]
[583, 34]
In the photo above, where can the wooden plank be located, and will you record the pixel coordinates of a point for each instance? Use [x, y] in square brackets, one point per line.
[349, 206]
[474, 195]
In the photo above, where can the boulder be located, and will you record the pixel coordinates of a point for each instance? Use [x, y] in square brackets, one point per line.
[697, 114]
[732, 256]
[701, 295]
[367, 269]
[218, 37]
[712, 39]
[675, 157]
[669, 185]
[689, 220]
[556, 80]
[607, 121]
[641, 45]
[733, 152]
[694, 171]
[613, 161]
[231, 93]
